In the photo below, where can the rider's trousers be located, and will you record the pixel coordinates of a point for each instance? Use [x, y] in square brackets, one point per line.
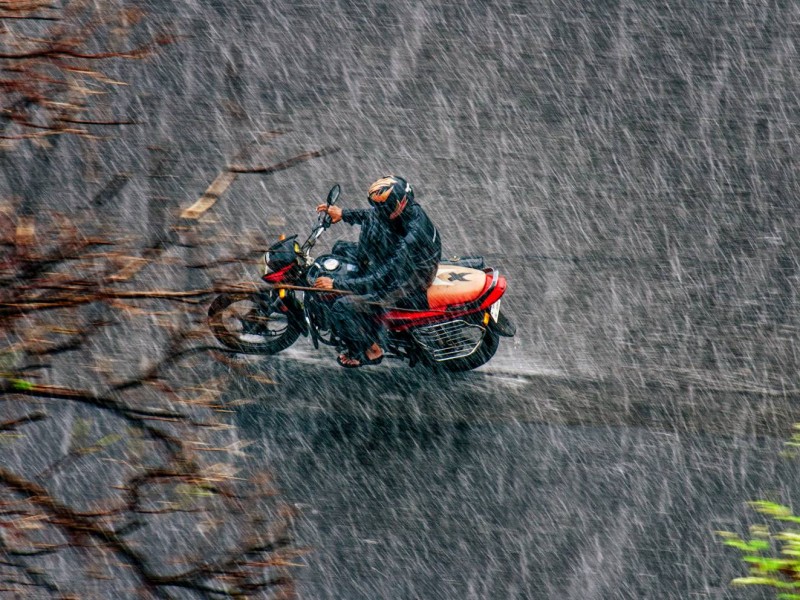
[358, 320]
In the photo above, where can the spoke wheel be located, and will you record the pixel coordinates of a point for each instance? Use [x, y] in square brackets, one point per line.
[243, 322]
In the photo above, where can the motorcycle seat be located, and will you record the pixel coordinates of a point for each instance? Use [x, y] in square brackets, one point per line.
[455, 285]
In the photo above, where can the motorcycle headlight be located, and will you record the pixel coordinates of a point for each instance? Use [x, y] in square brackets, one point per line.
[330, 264]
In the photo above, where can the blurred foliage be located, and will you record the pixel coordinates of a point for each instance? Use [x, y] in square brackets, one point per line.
[52, 57]
[772, 550]
[109, 437]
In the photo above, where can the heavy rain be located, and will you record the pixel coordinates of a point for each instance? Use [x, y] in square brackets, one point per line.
[630, 168]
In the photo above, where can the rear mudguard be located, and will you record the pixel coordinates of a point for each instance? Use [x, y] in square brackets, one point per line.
[504, 326]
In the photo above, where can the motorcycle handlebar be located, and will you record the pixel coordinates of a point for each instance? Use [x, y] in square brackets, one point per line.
[324, 221]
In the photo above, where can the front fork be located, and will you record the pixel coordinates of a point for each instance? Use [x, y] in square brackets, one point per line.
[283, 301]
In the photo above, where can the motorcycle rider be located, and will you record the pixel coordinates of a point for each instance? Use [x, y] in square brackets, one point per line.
[400, 249]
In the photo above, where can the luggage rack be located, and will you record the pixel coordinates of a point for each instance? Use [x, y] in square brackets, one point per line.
[449, 340]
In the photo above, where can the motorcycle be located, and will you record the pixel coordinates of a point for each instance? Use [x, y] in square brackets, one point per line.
[459, 331]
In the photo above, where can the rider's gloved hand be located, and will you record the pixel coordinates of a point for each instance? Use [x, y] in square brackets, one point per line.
[323, 283]
[333, 211]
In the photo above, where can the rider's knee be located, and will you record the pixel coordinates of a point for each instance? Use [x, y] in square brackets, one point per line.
[342, 309]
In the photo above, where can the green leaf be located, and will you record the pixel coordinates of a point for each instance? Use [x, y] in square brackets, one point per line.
[193, 490]
[9, 359]
[757, 581]
[773, 509]
[789, 519]
[758, 545]
[80, 433]
[108, 440]
[727, 535]
[766, 564]
[753, 546]
[21, 385]
[760, 531]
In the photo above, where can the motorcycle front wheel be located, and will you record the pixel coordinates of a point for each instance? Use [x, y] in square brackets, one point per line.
[245, 323]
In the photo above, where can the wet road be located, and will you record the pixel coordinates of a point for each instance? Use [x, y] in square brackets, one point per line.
[496, 485]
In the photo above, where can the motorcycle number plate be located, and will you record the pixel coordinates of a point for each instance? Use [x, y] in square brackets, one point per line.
[494, 310]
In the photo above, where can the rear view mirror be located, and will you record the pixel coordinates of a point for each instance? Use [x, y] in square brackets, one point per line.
[333, 195]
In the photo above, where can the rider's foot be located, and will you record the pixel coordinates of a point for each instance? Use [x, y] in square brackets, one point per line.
[372, 356]
[374, 352]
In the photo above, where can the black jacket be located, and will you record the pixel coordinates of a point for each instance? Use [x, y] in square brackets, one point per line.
[398, 258]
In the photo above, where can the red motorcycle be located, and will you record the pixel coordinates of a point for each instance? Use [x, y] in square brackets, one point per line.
[459, 331]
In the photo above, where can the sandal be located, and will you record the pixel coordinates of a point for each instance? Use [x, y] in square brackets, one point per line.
[362, 359]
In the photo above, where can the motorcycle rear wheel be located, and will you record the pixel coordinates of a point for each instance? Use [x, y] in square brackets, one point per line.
[239, 322]
[480, 357]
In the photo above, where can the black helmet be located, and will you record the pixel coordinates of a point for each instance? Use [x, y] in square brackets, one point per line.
[390, 195]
